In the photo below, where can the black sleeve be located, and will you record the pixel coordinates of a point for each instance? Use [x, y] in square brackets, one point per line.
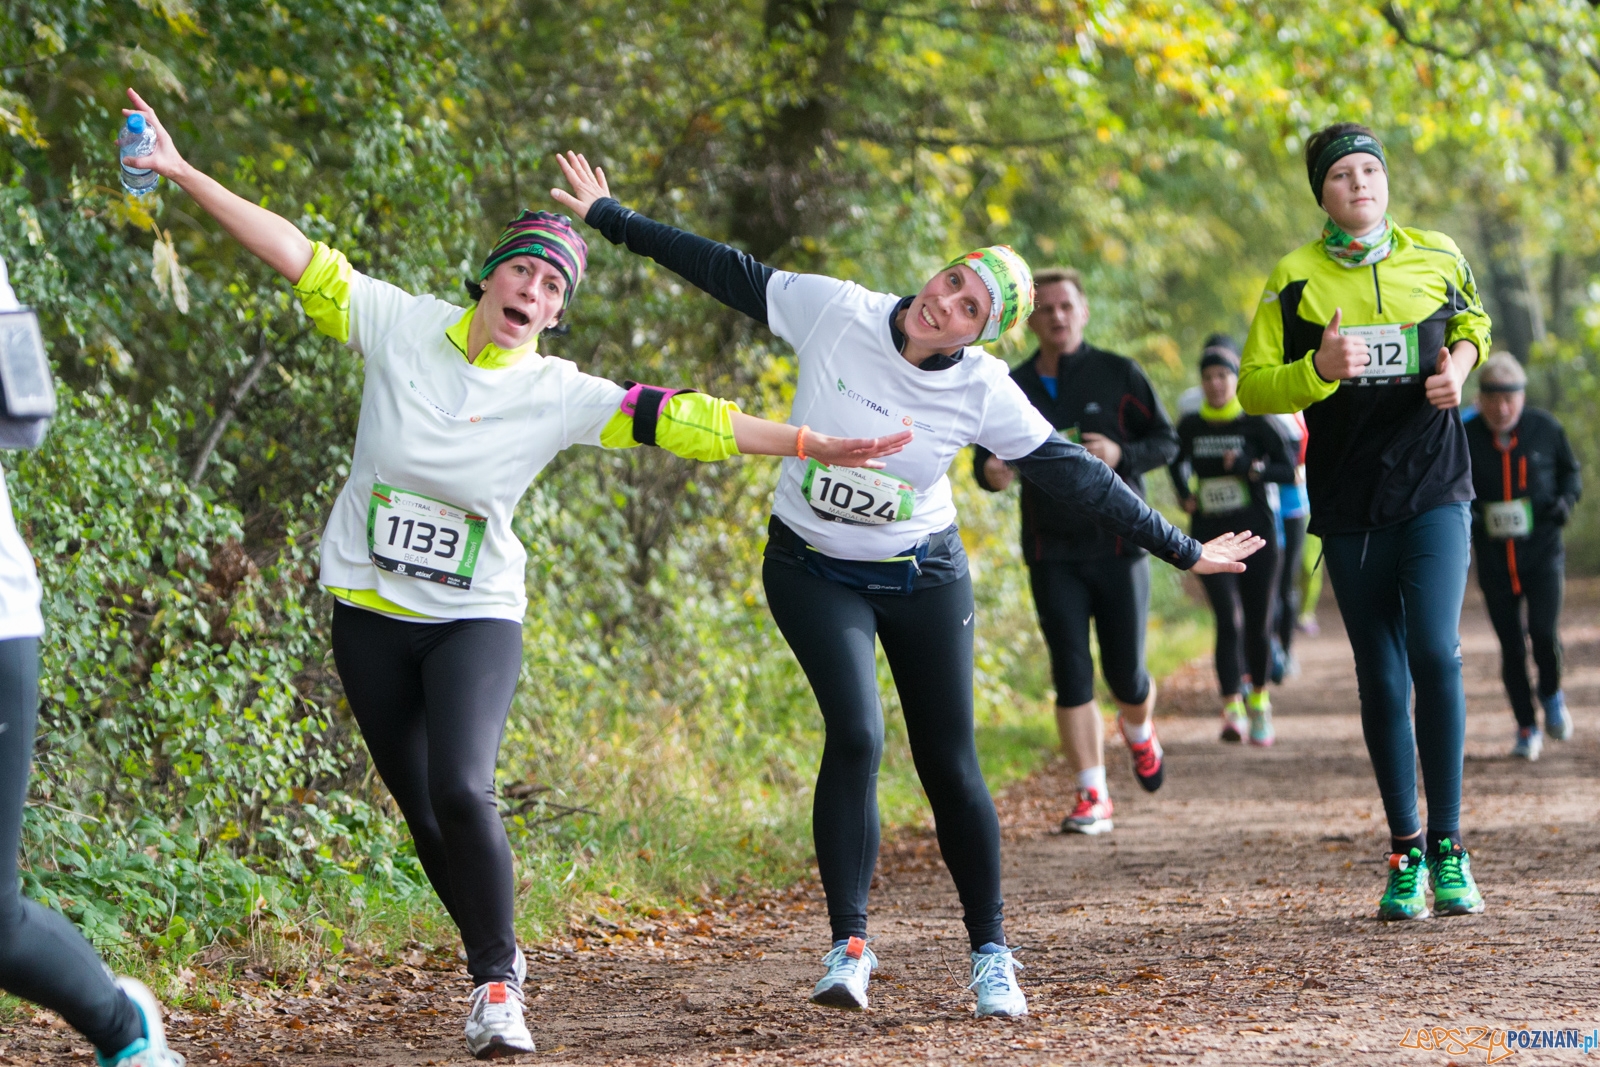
[1080, 482]
[980, 456]
[1280, 466]
[1569, 482]
[736, 279]
[1156, 443]
[1180, 469]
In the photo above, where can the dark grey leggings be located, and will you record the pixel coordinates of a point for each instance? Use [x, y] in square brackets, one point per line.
[927, 637]
[431, 700]
[43, 957]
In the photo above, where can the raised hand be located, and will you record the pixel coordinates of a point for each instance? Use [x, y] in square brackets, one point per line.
[854, 451]
[1444, 386]
[165, 160]
[1340, 357]
[1224, 555]
[588, 184]
[998, 473]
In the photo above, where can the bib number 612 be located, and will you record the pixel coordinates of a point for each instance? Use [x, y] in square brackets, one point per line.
[856, 495]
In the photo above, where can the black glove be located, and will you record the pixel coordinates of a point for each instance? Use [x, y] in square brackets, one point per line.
[1561, 511]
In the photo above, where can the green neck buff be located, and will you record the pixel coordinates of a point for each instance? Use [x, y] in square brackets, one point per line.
[1354, 252]
[1226, 413]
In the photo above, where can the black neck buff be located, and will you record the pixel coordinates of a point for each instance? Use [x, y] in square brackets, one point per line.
[1337, 149]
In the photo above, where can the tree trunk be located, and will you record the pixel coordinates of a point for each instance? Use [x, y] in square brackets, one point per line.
[1518, 316]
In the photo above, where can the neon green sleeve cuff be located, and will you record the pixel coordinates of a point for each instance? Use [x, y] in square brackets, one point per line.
[1284, 389]
[324, 291]
[691, 425]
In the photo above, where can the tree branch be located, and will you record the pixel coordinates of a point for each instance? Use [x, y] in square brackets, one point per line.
[1397, 19]
[236, 396]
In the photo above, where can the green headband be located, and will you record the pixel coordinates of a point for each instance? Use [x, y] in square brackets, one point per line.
[1010, 283]
[1347, 145]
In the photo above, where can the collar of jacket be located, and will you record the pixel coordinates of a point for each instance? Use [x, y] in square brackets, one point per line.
[493, 357]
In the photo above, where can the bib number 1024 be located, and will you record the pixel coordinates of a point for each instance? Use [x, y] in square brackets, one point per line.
[420, 537]
[857, 495]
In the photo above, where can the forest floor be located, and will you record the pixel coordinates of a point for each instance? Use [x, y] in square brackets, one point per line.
[1226, 921]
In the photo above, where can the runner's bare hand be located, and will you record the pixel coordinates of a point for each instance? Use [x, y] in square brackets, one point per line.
[588, 184]
[1340, 357]
[998, 473]
[854, 451]
[1225, 554]
[165, 160]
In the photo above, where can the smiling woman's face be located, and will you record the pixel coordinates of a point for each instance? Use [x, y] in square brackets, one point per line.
[521, 297]
[950, 311]
[1355, 194]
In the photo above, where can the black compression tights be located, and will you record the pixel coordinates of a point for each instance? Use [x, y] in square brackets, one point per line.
[43, 957]
[1243, 606]
[927, 637]
[431, 700]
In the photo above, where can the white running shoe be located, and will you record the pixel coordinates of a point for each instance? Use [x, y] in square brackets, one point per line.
[994, 976]
[1530, 742]
[850, 966]
[495, 1026]
[150, 1050]
[519, 969]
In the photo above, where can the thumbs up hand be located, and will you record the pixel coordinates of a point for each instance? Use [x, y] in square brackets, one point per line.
[1444, 385]
[1340, 357]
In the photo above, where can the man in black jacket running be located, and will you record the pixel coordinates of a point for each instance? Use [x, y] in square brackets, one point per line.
[1527, 482]
[1105, 402]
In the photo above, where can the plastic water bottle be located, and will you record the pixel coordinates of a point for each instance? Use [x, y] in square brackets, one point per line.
[135, 140]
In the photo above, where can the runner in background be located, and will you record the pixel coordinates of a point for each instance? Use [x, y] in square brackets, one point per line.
[1081, 573]
[1371, 330]
[1294, 512]
[1527, 483]
[43, 957]
[1233, 459]
[852, 561]
[459, 413]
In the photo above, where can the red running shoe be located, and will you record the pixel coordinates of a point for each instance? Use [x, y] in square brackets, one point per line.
[1146, 759]
[1091, 816]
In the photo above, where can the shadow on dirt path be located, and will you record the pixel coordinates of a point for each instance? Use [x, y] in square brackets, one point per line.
[1226, 921]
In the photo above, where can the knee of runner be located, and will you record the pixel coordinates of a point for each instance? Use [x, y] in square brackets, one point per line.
[461, 802]
[855, 743]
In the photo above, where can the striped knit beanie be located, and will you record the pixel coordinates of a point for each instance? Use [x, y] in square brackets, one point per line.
[545, 236]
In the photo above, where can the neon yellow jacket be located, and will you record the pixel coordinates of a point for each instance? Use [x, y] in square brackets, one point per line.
[1378, 452]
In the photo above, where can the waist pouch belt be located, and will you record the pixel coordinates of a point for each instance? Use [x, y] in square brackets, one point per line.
[895, 576]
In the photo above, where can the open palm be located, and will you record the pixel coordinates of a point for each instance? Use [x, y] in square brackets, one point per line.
[588, 184]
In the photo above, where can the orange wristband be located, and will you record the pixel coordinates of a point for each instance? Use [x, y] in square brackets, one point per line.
[800, 443]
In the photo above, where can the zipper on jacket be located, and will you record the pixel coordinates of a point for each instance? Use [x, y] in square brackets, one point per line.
[1376, 288]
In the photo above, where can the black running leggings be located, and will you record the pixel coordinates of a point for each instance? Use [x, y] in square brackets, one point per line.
[431, 700]
[43, 957]
[1543, 587]
[927, 637]
[1288, 603]
[1115, 593]
[1243, 606]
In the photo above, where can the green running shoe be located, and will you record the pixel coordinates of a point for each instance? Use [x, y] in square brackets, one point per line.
[1406, 895]
[1454, 891]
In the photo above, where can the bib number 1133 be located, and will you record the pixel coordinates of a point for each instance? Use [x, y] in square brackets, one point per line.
[420, 537]
[857, 495]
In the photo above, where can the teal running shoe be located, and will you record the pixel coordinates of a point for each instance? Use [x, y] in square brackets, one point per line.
[1454, 891]
[1406, 895]
[1557, 722]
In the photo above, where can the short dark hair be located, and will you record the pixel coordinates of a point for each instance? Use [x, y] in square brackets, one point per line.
[1056, 275]
[1326, 136]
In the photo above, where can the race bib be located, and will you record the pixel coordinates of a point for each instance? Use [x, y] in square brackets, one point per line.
[1505, 519]
[1223, 494]
[1392, 348]
[857, 495]
[420, 537]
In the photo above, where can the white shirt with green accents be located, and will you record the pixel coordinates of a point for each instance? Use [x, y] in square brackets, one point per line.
[445, 448]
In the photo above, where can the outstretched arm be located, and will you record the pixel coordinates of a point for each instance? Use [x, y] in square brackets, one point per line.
[1083, 483]
[275, 240]
[733, 277]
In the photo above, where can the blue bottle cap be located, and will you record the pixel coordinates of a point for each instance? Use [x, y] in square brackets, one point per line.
[136, 122]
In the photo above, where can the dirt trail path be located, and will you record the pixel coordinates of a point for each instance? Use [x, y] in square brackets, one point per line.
[1225, 922]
